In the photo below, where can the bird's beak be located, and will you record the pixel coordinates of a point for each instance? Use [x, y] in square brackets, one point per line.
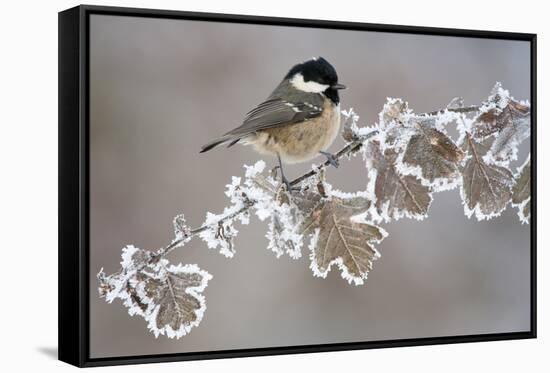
[338, 86]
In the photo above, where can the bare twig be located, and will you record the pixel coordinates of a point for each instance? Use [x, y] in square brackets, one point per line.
[193, 232]
[346, 150]
[463, 110]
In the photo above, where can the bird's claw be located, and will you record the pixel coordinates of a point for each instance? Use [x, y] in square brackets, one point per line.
[331, 158]
[288, 186]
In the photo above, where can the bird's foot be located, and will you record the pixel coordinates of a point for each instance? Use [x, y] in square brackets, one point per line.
[331, 158]
[284, 181]
[288, 185]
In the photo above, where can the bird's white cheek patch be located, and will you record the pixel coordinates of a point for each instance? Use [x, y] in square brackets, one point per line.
[312, 87]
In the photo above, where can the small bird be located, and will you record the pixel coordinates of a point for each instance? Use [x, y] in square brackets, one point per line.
[298, 121]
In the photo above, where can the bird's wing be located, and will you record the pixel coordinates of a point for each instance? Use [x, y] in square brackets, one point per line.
[277, 111]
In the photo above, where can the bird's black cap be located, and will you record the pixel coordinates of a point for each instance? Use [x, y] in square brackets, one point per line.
[317, 70]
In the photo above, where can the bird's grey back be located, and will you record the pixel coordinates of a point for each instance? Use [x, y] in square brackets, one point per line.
[285, 105]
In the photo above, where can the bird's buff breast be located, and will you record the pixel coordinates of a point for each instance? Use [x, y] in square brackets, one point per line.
[300, 142]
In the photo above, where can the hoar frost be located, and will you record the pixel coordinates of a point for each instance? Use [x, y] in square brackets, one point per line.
[408, 158]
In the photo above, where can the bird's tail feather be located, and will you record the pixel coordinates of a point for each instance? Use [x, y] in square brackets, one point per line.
[222, 140]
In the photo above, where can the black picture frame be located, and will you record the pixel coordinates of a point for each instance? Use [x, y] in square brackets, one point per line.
[74, 200]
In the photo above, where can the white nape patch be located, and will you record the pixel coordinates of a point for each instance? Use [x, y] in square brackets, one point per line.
[298, 82]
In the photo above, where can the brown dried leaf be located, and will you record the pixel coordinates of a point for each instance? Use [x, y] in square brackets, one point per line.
[434, 153]
[511, 125]
[521, 192]
[181, 229]
[168, 297]
[456, 103]
[394, 110]
[177, 307]
[486, 188]
[152, 286]
[135, 298]
[339, 240]
[349, 127]
[522, 188]
[496, 119]
[140, 258]
[284, 218]
[307, 202]
[396, 195]
[525, 213]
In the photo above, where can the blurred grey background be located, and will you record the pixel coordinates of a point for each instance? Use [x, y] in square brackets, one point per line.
[161, 88]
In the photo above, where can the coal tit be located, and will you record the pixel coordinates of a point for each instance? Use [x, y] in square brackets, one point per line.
[298, 121]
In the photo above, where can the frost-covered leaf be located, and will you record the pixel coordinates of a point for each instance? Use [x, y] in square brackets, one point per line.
[349, 126]
[522, 187]
[220, 232]
[181, 229]
[486, 188]
[176, 291]
[168, 297]
[264, 197]
[284, 237]
[521, 192]
[395, 111]
[456, 103]
[134, 258]
[508, 120]
[307, 201]
[339, 239]
[116, 285]
[395, 195]
[283, 229]
[506, 143]
[352, 131]
[432, 156]
[106, 285]
[493, 118]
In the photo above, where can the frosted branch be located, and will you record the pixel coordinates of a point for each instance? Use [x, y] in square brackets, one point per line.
[408, 158]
